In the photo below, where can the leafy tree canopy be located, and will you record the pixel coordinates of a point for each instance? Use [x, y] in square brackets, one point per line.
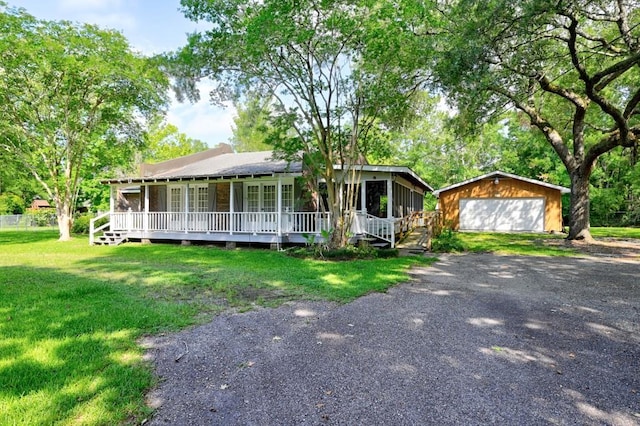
[335, 69]
[164, 142]
[571, 67]
[72, 99]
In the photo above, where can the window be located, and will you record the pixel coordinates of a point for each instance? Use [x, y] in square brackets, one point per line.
[253, 198]
[175, 199]
[287, 198]
[198, 198]
[269, 198]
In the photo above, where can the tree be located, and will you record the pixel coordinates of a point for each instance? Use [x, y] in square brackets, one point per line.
[164, 142]
[252, 126]
[335, 69]
[571, 67]
[433, 147]
[71, 101]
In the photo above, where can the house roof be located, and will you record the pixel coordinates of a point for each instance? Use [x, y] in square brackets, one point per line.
[213, 164]
[405, 171]
[222, 162]
[40, 204]
[499, 174]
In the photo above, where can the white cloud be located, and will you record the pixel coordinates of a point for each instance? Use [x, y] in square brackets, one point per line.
[209, 123]
[118, 21]
[90, 4]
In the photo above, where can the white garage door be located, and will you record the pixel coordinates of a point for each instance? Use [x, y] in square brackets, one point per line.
[502, 214]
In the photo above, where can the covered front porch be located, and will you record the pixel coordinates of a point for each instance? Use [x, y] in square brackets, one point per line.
[246, 227]
[253, 210]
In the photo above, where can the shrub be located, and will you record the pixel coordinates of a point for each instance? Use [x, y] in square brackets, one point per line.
[11, 204]
[447, 241]
[82, 223]
[345, 253]
[43, 217]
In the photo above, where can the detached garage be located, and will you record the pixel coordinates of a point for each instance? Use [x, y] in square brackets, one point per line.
[502, 201]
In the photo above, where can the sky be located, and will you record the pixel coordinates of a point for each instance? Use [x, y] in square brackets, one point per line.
[151, 26]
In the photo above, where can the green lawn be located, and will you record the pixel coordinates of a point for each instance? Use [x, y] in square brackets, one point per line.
[70, 314]
[533, 244]
[616, 232]
[515, 243]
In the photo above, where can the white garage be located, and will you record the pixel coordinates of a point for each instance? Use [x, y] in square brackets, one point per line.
[502, 214]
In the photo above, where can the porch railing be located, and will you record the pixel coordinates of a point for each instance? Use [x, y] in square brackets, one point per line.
[239, 222]
[250, 223]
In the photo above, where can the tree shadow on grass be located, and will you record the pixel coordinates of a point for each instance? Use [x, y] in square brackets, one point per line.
[69, 347]
[27, 237]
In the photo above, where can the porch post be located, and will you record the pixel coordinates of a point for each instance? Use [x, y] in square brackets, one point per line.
[232, 196]
[389, 198]
[363, 195]
[145, 218]
[186, 210]
[279, 195]
[112, 201]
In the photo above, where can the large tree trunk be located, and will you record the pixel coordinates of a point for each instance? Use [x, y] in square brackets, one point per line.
[65, 218]
[579, 214]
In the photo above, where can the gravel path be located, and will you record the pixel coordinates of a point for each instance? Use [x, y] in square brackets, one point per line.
[475, 339]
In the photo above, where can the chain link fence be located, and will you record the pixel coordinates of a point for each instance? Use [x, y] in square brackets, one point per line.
[28, 221]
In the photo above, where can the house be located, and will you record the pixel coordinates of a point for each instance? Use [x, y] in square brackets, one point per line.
[37, 204]
[500, 201]
[221, 196]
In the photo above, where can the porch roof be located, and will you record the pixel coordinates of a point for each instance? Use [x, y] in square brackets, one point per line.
[224, 165]
[405, 172]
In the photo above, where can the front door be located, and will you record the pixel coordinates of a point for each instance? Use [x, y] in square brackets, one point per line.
[176, 208]
[377, 198]
[261, 201]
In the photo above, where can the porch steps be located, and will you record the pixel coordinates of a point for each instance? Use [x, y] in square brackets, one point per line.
[111, 238]
[374, 242]
[416, 241]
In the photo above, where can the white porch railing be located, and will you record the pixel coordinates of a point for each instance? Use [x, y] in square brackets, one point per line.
[382, 228]
[240, 222]
[248, 223]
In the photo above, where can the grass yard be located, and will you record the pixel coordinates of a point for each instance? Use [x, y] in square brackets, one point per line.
[70, 314]
[616, 233]
[534, 244]
[515, 243]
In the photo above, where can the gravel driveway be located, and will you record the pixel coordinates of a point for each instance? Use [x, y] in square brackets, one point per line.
[475, 339]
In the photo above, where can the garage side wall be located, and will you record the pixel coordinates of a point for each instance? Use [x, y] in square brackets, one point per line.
[506, 188]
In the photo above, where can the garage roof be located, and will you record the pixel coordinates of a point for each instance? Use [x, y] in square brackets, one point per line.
[499, 174]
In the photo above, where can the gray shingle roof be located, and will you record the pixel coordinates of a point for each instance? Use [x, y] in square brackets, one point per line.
[216, 166]
[241, 164]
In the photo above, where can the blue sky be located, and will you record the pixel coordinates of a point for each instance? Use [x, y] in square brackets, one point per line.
[152, 26]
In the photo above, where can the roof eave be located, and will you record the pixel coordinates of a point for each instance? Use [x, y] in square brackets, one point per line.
[562, 189]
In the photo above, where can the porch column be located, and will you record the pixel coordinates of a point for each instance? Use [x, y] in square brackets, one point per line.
[145, 217]
[232, 196]
[112, 202]
[389, 198]
[186, 209]
[279, 195]
[363, 196]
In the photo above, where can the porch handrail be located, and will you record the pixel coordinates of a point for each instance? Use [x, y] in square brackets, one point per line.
[382, 228]
[92, 226]
[227, 222]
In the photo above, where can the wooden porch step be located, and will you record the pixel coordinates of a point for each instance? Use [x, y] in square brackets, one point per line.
[111, 239]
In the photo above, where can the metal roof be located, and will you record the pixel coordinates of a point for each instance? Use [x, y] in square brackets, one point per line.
[499, 174]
